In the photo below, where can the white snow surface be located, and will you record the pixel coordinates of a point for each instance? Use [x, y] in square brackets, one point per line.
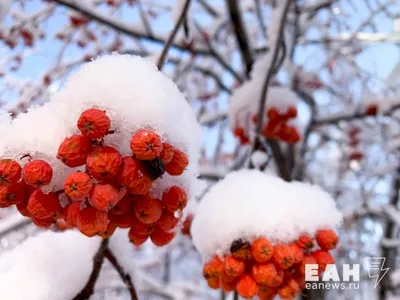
[134, 94]
[249, 204]
[50, 266]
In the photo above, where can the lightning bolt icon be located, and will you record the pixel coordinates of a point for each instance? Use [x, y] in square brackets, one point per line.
[376, 268]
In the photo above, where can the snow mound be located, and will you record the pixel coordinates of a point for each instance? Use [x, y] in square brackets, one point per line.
[134, 94]
[248, 204]
[50, 266]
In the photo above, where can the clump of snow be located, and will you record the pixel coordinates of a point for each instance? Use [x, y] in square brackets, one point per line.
[50, 266]
[259, 158]
[134, 94]
[248, 203]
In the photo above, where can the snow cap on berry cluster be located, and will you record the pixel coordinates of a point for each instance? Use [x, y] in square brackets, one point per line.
[248, 204]
[246, 98]
[134, 94]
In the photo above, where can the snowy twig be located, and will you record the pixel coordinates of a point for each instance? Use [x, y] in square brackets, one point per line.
[126, 278]
[98, 259]
[172, 36]
[240, 33]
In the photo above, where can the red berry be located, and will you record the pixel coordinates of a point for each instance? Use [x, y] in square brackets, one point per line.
[146, 144]
[266, 292]
[213, 268]
[187, 224]
[103, 163]
[178, 163]
[77, 185]
[122, 220]
[42, 205]
[323, 259]
[109, 231]
[71, 213]
[265, 274]
[148, 210]
[289, 290]
[103, 196]
[247, 287]
[372, 110]
[305, 242]
[74, 151]
[22, 208]
[43, 223]
[273, 113]
[175, 198]
[167, 220]
[10, 172]
[167, 153]
[94, 123]
[13, 194]
[292, 112]
[298, 253]
[123, 205]
[142, 228]
[327, 239]
[137, 239]
[133, 176]
[160, 238]
[283, 256]
[233, 266]
[37, 173]
[307, 260]
[92, 221]
[261, 250]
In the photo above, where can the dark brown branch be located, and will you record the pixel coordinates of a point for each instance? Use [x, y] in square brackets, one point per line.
[98, 259]
[240, 32]
[208, 8]
[126, 278]
[172, 36]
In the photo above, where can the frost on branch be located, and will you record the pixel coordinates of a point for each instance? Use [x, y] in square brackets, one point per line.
[249, 204]
[56, 271]
[280, 110]
[138, 144]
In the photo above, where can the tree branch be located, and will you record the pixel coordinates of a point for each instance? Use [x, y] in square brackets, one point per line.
[126, 278]
[240, 32]
[172, 36]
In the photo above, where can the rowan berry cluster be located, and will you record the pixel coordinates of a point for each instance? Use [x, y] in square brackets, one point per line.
[258, 268]
[112, 192]
[276, 127]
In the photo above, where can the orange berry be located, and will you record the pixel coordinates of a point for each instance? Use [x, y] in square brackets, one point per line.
[103, 163]
[62, 225]
[167, 153]
[266, 292]
[246, 286]
[178, 163]
[227, 283]
[10, 172]
[124, 220]
[132, 173]
[327, 239]
[323, 259]
[148, 210]
[37, 173]
[137, 239]
[305, 242]
[92, 221]
[283, 256]
[167, 220]
[42, 205]
[161, 238]
[289, 290]
[261, 250]
[307, 260]
[215, 267]
[142, 228]
[143, 187]
[74, 150]
[111, 227]
[103, 196]
[123, 205]
[175, 198]
[43, 223]
[77, 185]
[146, 144]
[265, 274]
[71, 213]
[94, 123]
[13, 194]
[213, 282]
[298, 253]
[233, 266]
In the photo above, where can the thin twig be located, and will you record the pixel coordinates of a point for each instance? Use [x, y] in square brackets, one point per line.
[172, 36]
[98, 259]
[126, 278]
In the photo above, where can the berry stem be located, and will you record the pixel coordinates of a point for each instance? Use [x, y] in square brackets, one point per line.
[98, 259]
[236, 296]
[126, 278]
